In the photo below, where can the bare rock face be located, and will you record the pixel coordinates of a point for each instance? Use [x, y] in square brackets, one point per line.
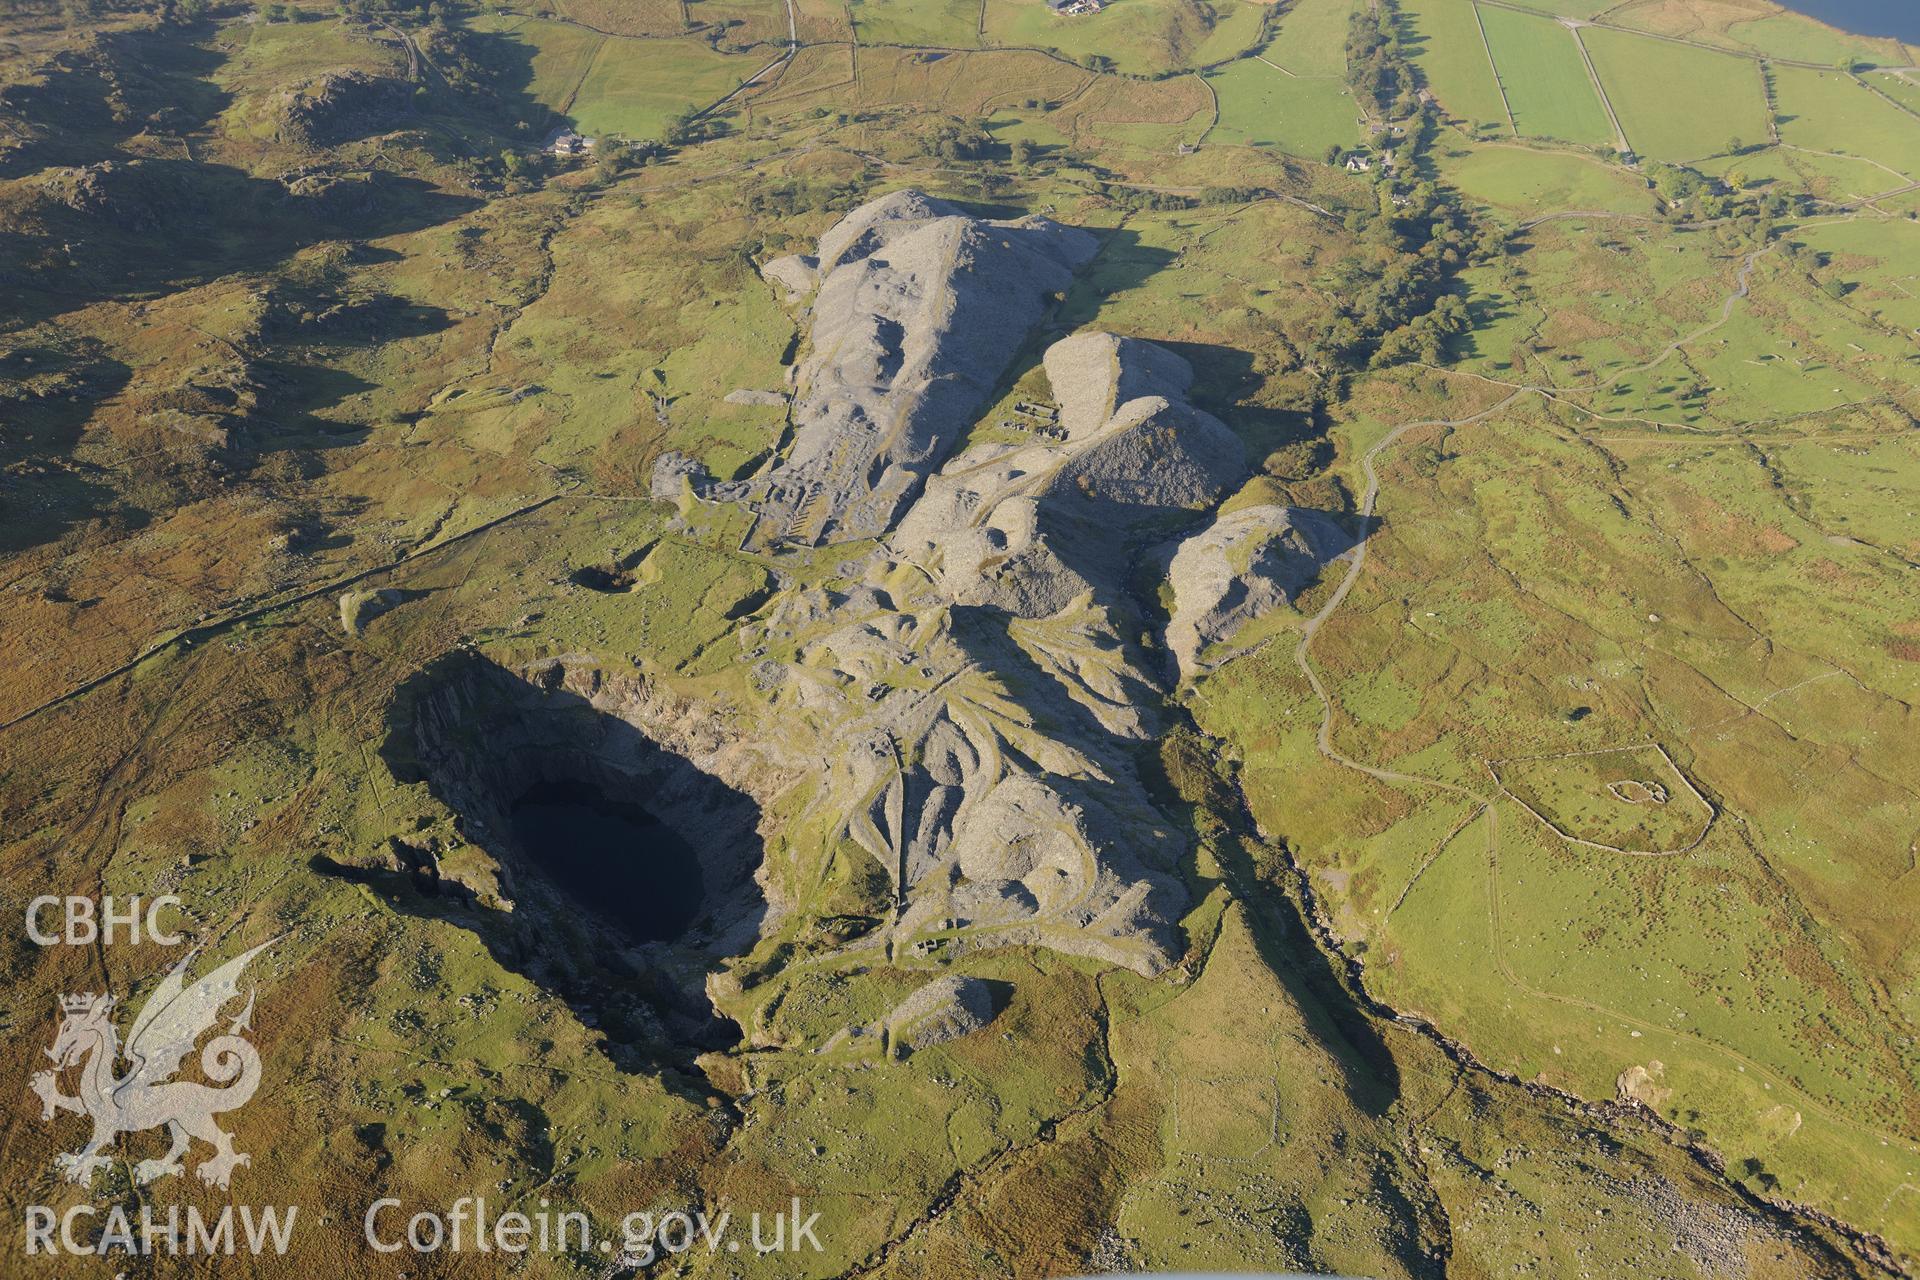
[1239, 567]
[795, 273]
[917, 310]
[749, 395]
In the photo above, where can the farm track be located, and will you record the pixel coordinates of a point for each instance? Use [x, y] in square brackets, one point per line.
[781, 62]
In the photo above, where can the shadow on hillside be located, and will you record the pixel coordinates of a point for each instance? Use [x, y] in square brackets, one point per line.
[1224, 380]
[1123, 264]
[159, 226]
[43, 494]
[90, 101]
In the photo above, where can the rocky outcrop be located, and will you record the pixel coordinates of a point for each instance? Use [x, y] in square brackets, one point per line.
[132, 195]
[342, 106]
[673, 471]
[917, 310]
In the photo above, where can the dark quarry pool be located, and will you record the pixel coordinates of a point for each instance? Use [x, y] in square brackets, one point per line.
[616, 860]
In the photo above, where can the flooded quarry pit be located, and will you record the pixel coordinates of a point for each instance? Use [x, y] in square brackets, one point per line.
[613, 858]
[622, 867]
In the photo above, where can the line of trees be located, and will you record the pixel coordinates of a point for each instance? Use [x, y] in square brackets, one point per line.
[1398, 299]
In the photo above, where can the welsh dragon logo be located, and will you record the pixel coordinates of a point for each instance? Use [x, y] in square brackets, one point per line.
[170, 1023]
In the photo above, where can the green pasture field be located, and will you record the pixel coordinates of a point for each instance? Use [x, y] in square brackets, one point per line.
[1789, 35]
[1236, 29]
[1567, 8]
[1902, 87]
[1826, 111]
[635, 87]
[949, 24]
[1547, 83]
[1677, 102]
[1264, 107]
[1528, 183]
[1008, 125]
[620, 85]
[561, 53]
[1446, 46]
[1312, 38]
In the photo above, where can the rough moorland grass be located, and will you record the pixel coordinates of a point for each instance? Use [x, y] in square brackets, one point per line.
[271, 57]
[1718, 974]
[1677, 102]
[752, 21]
[1447, 48]
[972, 83]
[1265, 107]
[1832, 177]
[634, 17]
[1630, 799]
[1826, 111]
[1547, 83]
[1593, 298]
[1520, 563]
[1879, 265]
